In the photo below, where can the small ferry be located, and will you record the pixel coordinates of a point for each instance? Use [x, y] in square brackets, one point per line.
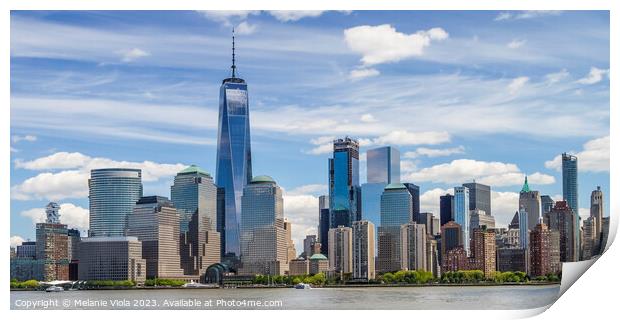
[54, 289]
[303, 286]
[193, 284]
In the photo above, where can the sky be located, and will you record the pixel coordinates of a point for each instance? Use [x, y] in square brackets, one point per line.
[485, 95]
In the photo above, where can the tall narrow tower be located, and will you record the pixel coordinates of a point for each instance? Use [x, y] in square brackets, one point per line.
[234, 157]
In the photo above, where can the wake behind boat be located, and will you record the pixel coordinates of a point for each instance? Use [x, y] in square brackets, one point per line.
[303, 286]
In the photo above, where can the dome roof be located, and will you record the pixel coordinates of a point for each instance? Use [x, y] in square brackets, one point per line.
[318, 256]
[395, 186]
[263, 179]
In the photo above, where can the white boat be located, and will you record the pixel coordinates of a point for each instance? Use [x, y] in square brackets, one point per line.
[302, 285]
[54, 289]
[194, 285]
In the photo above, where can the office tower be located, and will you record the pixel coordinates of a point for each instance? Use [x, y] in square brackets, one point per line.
[323, 223]
[461, 214]
[309, 241]
[484, 252]
[112, 193]
[195, 198]
[455, 260]
[511, 259]
[446, 203]
[382, 168]
[523, 228]
[530, 201]
[291, 253]
[234, 155]
[396, 210]
[596, 210]
[478, 218]
[413, 246]
[415, 198]
[479, 196]
[52, 245]
[562, 219]
[263, 243]
[435, 227]
[604, 234]
[28, 249]
[111, 258]
[514, 223]
[344, 190]
[363, 250]
[570, 191]
[318, 264]
[450, 237]
[155, 222]
[299, 267]
[428, 219]
[540, 251]
[588, 238]
[546, 203]
[341, 250]
[432, 256]
[72, 244]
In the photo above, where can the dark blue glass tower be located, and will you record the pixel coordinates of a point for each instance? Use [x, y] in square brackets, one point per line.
[569, 189]
[234, 157]
[344, 190]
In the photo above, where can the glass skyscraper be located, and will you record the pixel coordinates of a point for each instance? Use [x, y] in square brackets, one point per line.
[446, 202]
[344, 186]
[569, 189]
[112, 194]
[234, 157]
[461, 213]
[396, 210]
[479, 197]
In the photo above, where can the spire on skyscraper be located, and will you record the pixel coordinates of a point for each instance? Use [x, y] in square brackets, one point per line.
[526, 186]
[233, 67]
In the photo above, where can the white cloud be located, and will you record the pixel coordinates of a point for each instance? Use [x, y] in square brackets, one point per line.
[132, 54]
[244, 28]
[403, 138]
[381, 44]
[16, 241]
[367, 117]
[431, 153]
[302, 210]
[503, 207]
[294, 15]
[314, 189]
[595, 76]
[225, 16]
[525, 14]
[516, 43]
[13, 150]
[18, 138]
[358, 74]
[429, 200]
[516, 84]
[593, 158]
[70, 184]
[407, 166]
[557, 76]
[462, 170]
[70, 214]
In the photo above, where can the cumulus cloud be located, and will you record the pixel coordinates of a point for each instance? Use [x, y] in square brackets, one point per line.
[70, 184]
[16, 241]
[594, 76]
[502, 16]
[593, 158]
[294, 15]
[429, 200]
[367, 117]
[28, 137]
[314, 189]
[382, 43]
[557, 76]
[516, 84]
[302, 210]
[225, 16]
[361, 73]
[516, 43]
[244, 28]
[70, 214]
[503, 207]
[130, 55]
[462, 170]
[431, 153]
[323, 145]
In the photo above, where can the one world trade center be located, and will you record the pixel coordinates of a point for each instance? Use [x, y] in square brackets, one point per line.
[234, 157]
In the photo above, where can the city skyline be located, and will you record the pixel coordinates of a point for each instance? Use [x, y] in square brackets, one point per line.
[60, 156]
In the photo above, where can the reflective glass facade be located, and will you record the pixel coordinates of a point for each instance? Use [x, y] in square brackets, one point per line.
[569, 189]
[461, 213]
[234, 157]
[479, 197]
[383, 165]
[396, 210]
[344, 189]
[112, 195]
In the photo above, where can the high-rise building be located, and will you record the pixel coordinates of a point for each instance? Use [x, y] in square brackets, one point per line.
[455, 260]
[570, 187]
[446, 203]
[291, 253]
[413, 246]
[323, 223]
[523, 228]
[540, 251]
[263, 238]
[555, 262]
[111, 258]
[511, 259]
[546, 203]
[432, 256]
[52, 246]
[562, 219]
[588, 238]
[72, 246]
[28, 249]
[530, 201]
[604, 234]
[415, 198]
[344, 187]
[363, 250]
[299, 267]
[341, 250]
[195, 198]
[309, 241]
[52, 213]
[155, 222]
[451, 237]
[112, 193]
[234, 155]
[396, 210]
[478, 218]
[461, 214]
[382, 168]
[514, 223]
[484, 252]
[596, 212]
[479, 197]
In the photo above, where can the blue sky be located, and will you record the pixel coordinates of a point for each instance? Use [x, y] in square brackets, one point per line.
[464, 95]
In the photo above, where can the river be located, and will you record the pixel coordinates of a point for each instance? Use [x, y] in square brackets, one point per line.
[436, 297]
